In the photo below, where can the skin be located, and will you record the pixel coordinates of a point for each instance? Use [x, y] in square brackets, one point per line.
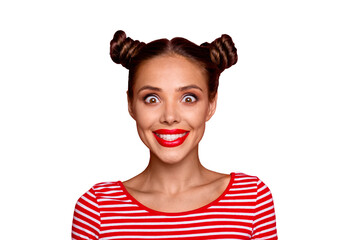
[170, 92]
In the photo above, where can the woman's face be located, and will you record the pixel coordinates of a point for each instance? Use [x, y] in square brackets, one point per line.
[170, 106]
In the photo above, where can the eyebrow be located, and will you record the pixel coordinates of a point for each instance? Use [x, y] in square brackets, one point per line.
[180, 89]
[148, 87]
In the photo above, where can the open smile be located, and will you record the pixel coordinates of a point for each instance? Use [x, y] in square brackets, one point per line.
[170, 137]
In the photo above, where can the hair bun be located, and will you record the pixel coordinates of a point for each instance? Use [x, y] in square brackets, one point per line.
[222, 52]
[123, 49]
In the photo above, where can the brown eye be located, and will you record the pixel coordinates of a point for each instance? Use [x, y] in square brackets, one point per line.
[151, 99]
[189, 99]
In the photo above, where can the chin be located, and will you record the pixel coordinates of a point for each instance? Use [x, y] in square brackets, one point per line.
[173, 155]
[169, 157]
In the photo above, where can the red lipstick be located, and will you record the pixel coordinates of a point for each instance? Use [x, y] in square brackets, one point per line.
[170, 137]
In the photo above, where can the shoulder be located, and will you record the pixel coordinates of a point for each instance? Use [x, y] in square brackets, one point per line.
[239, 177]
[105, 187]
[244, 184]
[101, 188]
[242, 180]
[251, 186]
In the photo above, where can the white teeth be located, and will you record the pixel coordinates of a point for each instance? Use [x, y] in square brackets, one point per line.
[170, 137]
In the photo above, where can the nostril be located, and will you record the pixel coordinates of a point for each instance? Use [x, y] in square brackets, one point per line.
[170, 115]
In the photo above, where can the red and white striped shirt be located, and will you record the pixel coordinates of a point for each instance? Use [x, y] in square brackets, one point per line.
[245, 210]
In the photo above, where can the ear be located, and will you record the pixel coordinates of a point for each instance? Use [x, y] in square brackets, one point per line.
[130, 105]
[212, 108]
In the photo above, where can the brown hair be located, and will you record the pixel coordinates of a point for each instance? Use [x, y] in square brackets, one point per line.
[213, 57]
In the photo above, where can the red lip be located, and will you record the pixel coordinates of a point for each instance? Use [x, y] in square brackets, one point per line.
[174, 143]
[170, 131]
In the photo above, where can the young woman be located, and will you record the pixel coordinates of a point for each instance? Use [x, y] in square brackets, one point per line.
[172, 93]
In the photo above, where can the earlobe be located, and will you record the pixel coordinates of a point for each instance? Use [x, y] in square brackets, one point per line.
[212, 108]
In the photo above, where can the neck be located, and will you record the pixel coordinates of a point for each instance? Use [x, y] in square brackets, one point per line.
[173, 178]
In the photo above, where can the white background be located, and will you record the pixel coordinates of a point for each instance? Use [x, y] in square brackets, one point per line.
[288, 111]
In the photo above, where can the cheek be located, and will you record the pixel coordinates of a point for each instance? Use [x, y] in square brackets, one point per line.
[144, 118]
[196, 120]
[144, 121]
[196, 116]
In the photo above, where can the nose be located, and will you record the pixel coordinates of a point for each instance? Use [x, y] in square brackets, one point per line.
[170, 113]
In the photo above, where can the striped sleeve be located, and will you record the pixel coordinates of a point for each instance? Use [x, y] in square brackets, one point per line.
[264, 223]
[86, 221]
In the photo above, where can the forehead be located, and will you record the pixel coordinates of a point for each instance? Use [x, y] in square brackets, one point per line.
[170, 71]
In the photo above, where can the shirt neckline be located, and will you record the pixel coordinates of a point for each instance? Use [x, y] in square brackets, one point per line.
[197, 210]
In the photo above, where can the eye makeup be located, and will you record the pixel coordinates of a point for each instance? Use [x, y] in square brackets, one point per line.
[147, 98]
[191, 95]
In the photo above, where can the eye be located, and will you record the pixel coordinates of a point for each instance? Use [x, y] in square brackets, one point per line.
[189, 98]
[151, 99]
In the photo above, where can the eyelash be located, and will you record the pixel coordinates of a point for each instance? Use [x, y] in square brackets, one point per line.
[190, 95]
[148, 96]
[145, 99]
